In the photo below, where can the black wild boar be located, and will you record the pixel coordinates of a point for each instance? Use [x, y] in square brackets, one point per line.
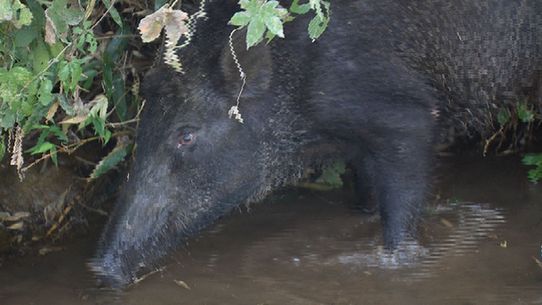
[375, 90]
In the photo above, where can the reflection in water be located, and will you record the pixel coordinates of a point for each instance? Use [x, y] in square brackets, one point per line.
[474, 223]
[309, 248]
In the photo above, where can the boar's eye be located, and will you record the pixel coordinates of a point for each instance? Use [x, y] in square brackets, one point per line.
[187, 138]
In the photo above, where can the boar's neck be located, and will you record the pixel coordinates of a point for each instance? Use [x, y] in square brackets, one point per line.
[291, 144]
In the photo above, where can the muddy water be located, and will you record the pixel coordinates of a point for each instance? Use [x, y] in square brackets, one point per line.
[478, 245]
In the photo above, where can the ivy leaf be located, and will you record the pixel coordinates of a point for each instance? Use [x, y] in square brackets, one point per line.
[316, 5]
[269, 7]
[296, 8]
[262, 19]
[240, 19]
[274, 24]
[317, 27]
[251, 6]
[255, 31]
[319, 23]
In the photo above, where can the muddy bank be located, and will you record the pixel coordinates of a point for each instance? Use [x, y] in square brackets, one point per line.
[50, 203]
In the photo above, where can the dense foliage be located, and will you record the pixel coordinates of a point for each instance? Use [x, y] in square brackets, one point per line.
[60, 79]
[67, 78]
[64, 69]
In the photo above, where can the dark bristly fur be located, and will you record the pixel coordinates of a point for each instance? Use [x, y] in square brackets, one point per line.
[367, 91]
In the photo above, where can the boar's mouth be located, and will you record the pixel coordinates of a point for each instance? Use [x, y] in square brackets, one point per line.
[120, 263]
[135, 243]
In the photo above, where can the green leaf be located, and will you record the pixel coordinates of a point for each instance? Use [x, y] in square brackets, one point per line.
[47, 130]
[269, 7]
[535, 174]
[264, 18]
[316, 5]
[15, 12]
[65, 105]
[256, 29]
[114, 13]
[99, 110]
[240, 19]
[77, 70]
[299, 9]
[55, 49]
[332, 174]
[503, 116]
[70, 73]
[59, 133]
[317, 27]
[6, 10]
[7, 119]
[63, 71]
[44, 95]
[38, 15]
[524, 113]
[532, 159]
[89, 78]
[274, 24]
[97, 117]
[12, 83]
[92, 42]
[38, 112]
[110, 161]
[24, 16]
[251, 6]
[24, 37]
[41, 148]
[62, 16]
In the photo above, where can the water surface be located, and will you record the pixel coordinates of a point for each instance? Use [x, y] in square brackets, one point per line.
[478, 244]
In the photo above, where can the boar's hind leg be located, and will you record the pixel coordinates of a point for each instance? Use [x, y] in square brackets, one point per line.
[396, 169]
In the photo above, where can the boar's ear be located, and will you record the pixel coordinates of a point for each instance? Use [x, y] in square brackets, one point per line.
[255, 62]
[159, 79]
